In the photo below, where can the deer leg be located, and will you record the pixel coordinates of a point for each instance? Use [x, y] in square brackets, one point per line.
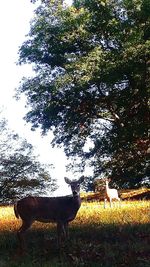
[21, 232]
[66, 230]
[60, 232]
[110, 200]
[105, 203]
[119, 202]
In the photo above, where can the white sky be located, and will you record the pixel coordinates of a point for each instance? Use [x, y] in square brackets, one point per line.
[14, 20]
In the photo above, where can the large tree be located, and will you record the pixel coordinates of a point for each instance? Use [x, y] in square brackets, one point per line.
[92, 63]
[21, 173]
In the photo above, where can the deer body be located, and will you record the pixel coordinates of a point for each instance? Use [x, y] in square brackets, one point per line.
[59, 210]
[47, 209]
[111, 194]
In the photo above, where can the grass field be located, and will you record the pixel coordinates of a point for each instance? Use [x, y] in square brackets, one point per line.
[111, 237]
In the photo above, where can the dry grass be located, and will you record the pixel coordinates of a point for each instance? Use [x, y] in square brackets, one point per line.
[133, 212]
[111, 237]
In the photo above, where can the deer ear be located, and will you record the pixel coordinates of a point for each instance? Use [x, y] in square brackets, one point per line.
[67, 180]
[81, 179]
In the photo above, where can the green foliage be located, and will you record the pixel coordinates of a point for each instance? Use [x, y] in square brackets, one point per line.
[92, 63]
[21, 173]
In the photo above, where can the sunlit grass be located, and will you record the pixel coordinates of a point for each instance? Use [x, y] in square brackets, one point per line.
[134, 212]
[115, 237]
[130, 212]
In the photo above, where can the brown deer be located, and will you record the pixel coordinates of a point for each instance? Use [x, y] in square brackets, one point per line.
[59, 210]
[110, 194]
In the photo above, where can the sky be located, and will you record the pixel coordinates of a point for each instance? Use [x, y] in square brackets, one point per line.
[14, 20]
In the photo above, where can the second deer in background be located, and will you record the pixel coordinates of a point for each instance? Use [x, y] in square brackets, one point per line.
[110, 194]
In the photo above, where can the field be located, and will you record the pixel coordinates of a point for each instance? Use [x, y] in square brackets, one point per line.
[111, 237]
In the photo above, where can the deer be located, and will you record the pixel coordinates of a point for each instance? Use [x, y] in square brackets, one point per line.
[59, 210]
[110, 194]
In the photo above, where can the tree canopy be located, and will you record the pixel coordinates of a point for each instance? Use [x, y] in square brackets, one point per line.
[91, 83]
[21, 173]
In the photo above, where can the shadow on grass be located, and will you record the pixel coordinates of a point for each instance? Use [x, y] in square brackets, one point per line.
[90, 245]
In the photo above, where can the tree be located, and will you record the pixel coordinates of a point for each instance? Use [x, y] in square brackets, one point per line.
[20, 171]
[92, 63]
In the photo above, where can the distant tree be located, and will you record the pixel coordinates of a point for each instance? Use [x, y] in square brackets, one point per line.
[92, 65]
[88, 184]
[20, 171]
[99, 185]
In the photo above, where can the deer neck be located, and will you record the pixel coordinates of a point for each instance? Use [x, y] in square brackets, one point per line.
[107, 187]
[77, 201]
